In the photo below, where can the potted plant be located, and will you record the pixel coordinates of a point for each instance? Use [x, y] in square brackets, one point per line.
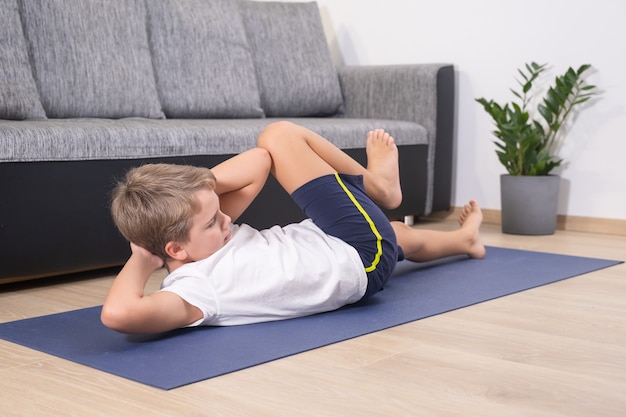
[528, 147]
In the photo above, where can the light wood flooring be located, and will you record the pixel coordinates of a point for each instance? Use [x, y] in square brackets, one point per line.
[558, 350]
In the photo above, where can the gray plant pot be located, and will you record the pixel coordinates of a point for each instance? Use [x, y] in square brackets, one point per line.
[529, 204]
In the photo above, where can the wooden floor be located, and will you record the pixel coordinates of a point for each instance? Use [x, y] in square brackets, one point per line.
[558, 350]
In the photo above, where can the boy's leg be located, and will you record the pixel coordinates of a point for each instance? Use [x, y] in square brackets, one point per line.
[421, 245]
[338, 194]
[300, 155]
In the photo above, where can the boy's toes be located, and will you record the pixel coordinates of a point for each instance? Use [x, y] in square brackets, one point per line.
[380, 135]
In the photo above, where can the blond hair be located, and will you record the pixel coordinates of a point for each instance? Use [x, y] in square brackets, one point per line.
[154, 204]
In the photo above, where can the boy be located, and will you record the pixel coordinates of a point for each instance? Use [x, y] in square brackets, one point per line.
[225, 274]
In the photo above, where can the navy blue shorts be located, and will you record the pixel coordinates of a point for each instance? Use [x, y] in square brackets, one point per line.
[339, 206]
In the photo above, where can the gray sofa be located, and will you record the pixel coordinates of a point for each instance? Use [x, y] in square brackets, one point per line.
[89, 89]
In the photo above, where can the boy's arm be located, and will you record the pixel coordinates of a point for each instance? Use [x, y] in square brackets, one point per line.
[240, 179]
[128, 310]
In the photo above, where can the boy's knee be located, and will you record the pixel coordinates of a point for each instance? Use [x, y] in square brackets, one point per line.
[274, 133]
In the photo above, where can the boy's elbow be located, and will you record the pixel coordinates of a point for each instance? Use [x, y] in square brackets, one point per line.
[115, 318]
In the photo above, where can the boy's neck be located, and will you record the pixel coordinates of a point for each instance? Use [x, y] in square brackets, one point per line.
[172, 264]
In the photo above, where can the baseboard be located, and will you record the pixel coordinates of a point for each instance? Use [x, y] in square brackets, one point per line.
[563, 222]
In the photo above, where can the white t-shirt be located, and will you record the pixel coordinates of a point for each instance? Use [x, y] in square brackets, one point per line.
[273, 274]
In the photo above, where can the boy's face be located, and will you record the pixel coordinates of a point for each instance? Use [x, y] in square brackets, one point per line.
[209, 228]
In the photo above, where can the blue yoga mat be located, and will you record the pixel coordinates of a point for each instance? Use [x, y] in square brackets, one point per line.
[185, 356]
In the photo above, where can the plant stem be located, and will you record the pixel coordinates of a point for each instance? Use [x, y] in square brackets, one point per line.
[551, 138]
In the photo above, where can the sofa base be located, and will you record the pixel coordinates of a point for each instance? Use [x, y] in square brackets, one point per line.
[54, 216]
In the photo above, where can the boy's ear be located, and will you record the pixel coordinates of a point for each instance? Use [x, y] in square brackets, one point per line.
[175, 251]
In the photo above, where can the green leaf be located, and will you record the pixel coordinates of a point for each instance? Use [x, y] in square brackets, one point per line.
[527, 87]
[546, 113]
[523, 74]
[583, 68]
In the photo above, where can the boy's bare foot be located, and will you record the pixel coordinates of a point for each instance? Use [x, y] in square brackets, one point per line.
[470, 220]
[382, 162]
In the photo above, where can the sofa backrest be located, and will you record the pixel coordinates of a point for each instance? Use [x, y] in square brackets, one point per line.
[294, 68]
[156, 59]
[91, 58]
[201, 58]
[19, 98]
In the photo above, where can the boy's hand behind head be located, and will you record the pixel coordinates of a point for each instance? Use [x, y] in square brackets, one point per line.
[149, 257]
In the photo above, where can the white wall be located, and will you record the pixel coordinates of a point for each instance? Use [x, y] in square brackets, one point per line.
[487, 40]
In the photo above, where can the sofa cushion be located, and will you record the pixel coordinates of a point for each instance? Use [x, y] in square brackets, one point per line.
[294, 68]
[87, 139]
[202, 62]
[19, 98]
[91, 58]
